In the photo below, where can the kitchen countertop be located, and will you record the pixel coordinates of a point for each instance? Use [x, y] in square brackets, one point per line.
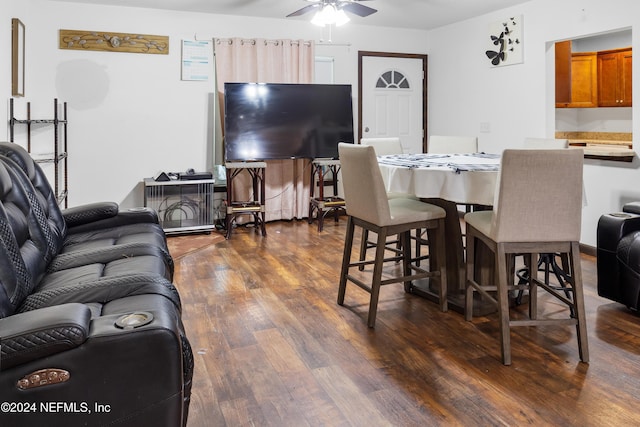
[616, 146]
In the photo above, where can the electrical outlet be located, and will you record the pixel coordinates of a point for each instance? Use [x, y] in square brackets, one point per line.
[485, 127]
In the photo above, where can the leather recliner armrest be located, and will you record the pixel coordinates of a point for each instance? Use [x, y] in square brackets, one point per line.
[39, 333]
[105, 215]
[614, 226]
[84, 214]
[632, 207]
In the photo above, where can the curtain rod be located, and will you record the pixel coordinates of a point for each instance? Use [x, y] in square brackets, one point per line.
[230, 40]
[254, 41]
[318, 43]
[323, 43]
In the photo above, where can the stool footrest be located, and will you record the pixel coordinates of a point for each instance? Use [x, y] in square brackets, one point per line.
[329, 202]
[236, 207]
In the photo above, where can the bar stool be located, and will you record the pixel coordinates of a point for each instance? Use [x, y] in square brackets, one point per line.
[370, 208]
[528, 220]
[255, 206]
[546, 262]
[323, 205]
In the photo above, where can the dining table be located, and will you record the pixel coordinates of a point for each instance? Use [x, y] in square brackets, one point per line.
[446, 180]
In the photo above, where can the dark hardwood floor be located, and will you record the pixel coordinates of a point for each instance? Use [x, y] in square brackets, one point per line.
[272, 347]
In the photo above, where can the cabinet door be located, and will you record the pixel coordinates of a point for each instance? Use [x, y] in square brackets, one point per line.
[614, 79]
[563, 73]
[584, 80]
[626, 77]
[608, 80]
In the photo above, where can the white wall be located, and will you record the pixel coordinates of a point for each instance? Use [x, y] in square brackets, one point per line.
[609, 119]
[130, 115]
[518, 100]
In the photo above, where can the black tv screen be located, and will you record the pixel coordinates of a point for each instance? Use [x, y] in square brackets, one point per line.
[282, 121]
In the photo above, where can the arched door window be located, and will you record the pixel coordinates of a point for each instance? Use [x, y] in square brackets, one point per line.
[393, 79]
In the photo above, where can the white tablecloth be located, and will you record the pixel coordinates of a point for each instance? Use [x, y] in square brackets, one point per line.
[459, 178]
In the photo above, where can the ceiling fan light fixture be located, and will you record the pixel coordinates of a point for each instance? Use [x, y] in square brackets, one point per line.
[341, 18]
[329, 15]
[318, 19]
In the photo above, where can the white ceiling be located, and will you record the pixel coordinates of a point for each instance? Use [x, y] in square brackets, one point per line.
[418, 14]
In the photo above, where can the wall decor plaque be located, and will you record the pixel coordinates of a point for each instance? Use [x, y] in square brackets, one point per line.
[113, 42]
[17, 57]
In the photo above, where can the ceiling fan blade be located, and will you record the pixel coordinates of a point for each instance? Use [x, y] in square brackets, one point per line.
[357, 9]
[304, 10]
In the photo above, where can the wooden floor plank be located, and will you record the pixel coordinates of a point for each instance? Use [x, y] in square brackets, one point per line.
[272, 347]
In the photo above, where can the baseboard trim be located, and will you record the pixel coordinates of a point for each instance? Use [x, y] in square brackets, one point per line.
[587, 249]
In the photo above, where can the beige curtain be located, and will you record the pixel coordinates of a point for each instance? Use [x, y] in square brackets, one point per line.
[270, 61]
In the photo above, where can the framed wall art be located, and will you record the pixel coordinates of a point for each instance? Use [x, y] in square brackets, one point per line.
[505, 44]
[17, 57]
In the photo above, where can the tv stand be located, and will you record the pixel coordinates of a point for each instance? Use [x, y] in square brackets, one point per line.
[256, 205]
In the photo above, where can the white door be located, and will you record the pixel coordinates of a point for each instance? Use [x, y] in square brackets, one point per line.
[392, 100]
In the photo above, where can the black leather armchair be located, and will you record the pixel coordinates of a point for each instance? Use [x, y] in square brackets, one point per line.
[90, 321]
[618, 256]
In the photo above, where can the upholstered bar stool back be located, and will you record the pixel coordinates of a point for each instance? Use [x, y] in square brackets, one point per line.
[545, 143]
[363, 186]
[547, 261]
[384, 146]
[369, 208]
[539, 196]
[445, 144]
[537, 209]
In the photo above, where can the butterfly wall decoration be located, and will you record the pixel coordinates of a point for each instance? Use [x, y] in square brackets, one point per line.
[505, 42]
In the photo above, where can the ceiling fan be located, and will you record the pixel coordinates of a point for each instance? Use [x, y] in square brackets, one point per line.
[337, 6]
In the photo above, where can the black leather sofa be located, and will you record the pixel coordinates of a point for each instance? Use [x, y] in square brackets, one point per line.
[618, 256]
[90, 321]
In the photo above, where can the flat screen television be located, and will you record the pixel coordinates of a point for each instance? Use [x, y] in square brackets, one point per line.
[282, 121]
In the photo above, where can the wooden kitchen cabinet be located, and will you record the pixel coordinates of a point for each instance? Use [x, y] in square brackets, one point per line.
[576, 78]
[614, 78]
[563, 73]
[584, 80]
